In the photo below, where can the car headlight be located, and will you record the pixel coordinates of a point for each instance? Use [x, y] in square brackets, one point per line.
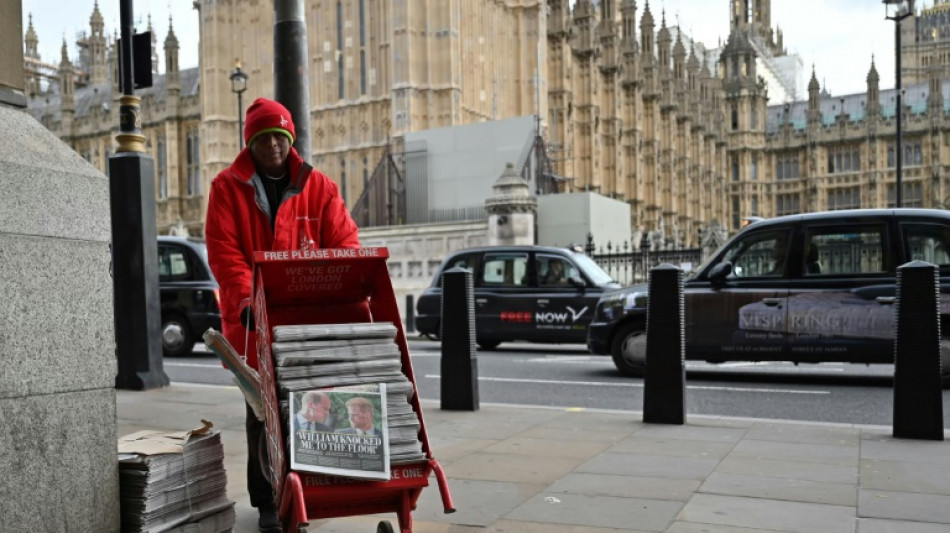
[616, 305]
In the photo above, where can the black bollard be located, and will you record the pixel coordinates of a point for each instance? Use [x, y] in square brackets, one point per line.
[459, 363]
[918, 393]
[410, 315]
[664, 383]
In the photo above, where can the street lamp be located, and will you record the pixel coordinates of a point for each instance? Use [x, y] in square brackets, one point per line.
[238, 86]
[898, 10]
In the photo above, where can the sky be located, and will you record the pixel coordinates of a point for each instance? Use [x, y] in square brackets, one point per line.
[838, 37]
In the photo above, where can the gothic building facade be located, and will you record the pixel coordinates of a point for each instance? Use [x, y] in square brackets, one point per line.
[628, 107]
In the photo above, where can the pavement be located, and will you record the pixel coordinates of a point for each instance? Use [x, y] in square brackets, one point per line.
[522, 469]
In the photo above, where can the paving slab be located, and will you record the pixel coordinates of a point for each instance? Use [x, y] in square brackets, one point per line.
[760, 513]
[921, 451]
[906, 476]
[578, 449]
[904, 506]
[628, 464]
[796, 451]
[637, 514]
[780, 488]
[478, 503]
[673, 447]
[688, 527]
[805, 433]
[512, 468]
[791, 469]
[874, 525]
[692, 432]
[658, 488]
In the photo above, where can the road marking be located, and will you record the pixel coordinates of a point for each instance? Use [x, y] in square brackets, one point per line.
[566, 359]
[637, 385]
[195, 365]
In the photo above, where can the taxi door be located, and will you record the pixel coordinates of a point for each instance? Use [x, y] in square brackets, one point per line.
[740, 312]
[564, 308]
[502, 310]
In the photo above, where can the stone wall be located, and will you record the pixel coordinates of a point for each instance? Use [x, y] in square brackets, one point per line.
[417, 251]
[57, 354]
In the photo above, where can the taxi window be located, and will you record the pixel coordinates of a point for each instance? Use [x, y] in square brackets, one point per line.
[469, 261]
[173, 263]
[845, 250]
[505, 270]
[928, 242]
[555, 271]
[759, 254]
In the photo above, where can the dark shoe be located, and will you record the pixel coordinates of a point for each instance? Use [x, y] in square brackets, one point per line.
[268, 522]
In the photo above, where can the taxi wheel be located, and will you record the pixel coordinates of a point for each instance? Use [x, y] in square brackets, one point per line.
[488, 345]
[384, 527]
[177, 339]
[629, 349]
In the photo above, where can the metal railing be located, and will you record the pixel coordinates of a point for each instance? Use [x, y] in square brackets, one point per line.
[629, 266]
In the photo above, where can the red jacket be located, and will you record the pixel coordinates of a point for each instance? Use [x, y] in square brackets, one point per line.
[237, 225]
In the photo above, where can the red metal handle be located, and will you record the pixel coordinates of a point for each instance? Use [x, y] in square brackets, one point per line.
[292, 502]
[443, 486]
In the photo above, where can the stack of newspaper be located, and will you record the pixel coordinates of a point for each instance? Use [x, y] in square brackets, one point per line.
[168, 491]
[319, 356]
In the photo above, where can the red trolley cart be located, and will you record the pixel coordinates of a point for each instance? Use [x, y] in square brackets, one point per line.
[332, 286]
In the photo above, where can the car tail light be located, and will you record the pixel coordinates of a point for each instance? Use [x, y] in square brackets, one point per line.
[217, 298]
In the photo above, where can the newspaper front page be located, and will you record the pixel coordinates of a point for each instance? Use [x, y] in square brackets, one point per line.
[340, 431]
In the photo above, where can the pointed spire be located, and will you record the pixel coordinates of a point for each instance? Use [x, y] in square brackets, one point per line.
[647, 19]
[664, 33]
[873, 76]
[96, 21]
[171, 33]
[30, 40]
[813, 82]
[64, 53]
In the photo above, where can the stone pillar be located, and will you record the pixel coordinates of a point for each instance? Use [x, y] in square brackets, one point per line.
[57, 347]
[511, 210]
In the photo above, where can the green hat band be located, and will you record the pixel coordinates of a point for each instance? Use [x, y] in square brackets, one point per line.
[274, 130]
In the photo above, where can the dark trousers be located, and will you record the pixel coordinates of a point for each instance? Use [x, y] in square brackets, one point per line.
[258, 485]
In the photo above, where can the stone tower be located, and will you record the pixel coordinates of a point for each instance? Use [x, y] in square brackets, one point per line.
[511, 210]
[745, 99]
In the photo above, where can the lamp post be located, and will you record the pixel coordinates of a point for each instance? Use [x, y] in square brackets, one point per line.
[238, 86]
[898, 10]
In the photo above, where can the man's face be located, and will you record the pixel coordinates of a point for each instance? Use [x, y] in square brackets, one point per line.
[360, 419]
[319, 410]
[270, 151]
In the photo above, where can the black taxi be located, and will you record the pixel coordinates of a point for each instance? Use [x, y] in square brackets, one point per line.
[809, 288]
[189, 293]
[525, 293]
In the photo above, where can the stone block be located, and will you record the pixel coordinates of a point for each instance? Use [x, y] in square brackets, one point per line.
[49, 190]
[56, 316]
[57, 455]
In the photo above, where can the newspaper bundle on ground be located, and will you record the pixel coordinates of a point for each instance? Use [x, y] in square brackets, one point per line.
[174, 482]
[246, 378]
[358, 447]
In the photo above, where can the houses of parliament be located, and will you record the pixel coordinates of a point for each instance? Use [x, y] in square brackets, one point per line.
[628, 106]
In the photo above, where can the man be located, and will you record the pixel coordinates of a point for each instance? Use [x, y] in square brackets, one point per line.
[313, 413]
[268, 199]
[360, 412]
[555, 273]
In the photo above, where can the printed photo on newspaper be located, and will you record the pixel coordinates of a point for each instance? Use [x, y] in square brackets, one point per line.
[340, 431]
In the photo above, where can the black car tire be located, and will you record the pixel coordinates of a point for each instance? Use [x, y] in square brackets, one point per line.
[177, 337]
[629, 331]
[487, 345]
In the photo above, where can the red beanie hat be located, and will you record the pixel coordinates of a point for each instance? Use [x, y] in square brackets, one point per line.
[266, 116]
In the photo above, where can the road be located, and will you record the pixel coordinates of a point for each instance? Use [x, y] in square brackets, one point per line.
[568, 376]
